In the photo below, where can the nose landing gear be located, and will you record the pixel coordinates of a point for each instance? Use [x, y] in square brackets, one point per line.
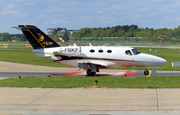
[146, 72]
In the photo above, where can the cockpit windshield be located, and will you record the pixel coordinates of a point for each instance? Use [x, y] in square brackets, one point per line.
[128, 52]
[135, 51]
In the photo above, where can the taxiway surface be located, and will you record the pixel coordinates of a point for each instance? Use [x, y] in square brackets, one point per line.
[83, 101]
[94, 101]
[8, 69]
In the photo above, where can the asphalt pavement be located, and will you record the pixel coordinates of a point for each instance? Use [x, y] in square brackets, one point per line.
[83, 101]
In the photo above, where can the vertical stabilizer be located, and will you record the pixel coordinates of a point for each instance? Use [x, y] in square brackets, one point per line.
[36, 37]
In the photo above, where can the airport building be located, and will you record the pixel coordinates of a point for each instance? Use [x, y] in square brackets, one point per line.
[55, 30]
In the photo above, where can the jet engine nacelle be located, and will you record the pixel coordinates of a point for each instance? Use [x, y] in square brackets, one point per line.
[50, 57]
[54, 58]
[69, 51]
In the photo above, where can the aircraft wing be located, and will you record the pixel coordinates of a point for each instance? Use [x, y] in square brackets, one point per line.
[86, 64]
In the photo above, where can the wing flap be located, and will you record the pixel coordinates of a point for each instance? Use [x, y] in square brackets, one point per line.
[86, 64]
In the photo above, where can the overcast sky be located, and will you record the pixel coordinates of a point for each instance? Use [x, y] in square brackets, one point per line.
[76, 14]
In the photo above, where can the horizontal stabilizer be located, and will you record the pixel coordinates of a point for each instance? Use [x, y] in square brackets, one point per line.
[19, 28]
[175, 64]
[22, 27]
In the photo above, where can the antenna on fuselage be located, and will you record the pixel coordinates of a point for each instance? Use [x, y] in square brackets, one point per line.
[90, 44]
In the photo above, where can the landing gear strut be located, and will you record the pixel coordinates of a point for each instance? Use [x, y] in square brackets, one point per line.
[146, 72]
[90, 73]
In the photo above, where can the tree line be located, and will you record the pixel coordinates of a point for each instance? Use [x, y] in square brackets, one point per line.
[117, 31]
[10, 37]
[126, 31]
[21, 37]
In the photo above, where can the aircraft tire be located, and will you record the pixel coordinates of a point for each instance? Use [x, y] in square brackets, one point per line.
[146, 72]
[89, 73]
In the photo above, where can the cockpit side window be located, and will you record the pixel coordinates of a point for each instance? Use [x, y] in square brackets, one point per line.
[128, 52]
[135, 51]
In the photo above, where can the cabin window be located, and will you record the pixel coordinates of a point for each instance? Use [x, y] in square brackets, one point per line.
[92, 51]
[109, 51]
[128, 52]
[135, 51]
[100, 51]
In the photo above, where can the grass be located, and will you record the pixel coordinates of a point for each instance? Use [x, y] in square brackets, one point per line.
[26, 56]
[107, 82]
[20, 54]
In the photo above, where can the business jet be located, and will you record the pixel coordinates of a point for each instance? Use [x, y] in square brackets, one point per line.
[90, 58]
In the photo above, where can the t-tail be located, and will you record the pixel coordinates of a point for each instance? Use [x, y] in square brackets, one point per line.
[36, 37]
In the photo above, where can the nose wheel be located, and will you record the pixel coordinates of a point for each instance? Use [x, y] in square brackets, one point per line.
[146, 72]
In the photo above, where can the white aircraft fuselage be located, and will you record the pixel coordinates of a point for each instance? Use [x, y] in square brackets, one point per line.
[102, 56]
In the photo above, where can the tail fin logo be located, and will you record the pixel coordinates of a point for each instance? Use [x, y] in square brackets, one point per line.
[44, 43]
[41, 38]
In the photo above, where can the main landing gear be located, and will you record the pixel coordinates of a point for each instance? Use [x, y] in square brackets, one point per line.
[90, 73]
[146, 72]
